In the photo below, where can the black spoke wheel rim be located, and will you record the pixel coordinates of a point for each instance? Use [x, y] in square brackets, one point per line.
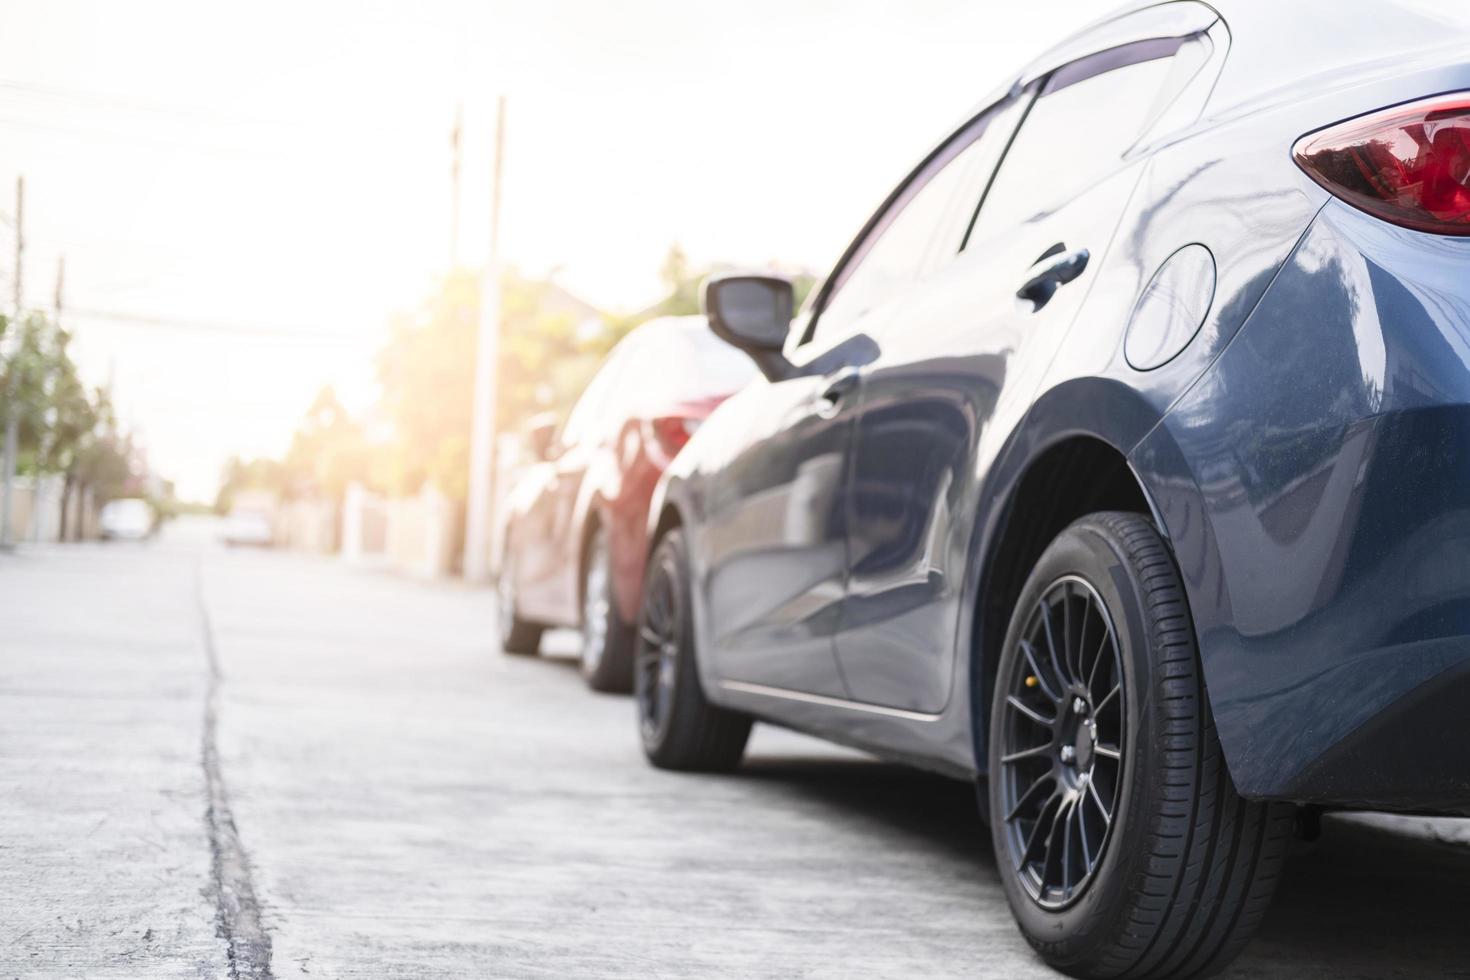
[1062, 745]
[660, 631]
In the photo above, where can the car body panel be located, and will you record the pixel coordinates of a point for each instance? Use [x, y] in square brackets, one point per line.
[1328, 467]
[548, 536]
[774, 532]
[248, 526]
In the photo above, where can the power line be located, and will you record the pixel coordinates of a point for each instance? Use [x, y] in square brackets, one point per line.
[113, 102]
[140, 140]
[294, 129]
[190, 325]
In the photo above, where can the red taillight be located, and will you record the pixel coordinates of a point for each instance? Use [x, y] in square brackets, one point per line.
[1409, 165]
[670, 432]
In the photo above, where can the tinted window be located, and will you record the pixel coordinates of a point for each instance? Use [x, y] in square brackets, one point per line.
[715, 367]
[657, 366]
[1088, 114]
[923, 227]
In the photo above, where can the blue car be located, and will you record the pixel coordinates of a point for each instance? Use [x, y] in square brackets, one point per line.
[1122, 465]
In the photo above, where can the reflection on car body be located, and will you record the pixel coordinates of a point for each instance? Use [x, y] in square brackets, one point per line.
[1118, 463]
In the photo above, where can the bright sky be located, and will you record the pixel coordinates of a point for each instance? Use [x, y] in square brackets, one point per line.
[271, 180]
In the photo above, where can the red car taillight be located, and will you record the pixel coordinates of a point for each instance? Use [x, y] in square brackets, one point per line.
[670, 432]
[1409, 165]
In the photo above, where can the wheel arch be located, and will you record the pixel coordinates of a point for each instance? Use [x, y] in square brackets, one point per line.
[663, 516]
[677, 503]
[665, 511]
[600, 487]
[591, 523]
[1069, 457]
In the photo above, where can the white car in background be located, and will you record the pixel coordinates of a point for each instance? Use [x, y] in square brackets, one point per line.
[129, 519]
[248, 526]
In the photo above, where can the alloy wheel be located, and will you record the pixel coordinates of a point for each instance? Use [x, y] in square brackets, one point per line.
[596, 603]
[1063, 742]
[659, 632]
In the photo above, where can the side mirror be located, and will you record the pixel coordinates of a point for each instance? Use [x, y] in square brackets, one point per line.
[753, 313]
[540, 432]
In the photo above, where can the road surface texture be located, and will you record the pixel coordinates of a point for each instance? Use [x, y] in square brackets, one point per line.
[253, 764]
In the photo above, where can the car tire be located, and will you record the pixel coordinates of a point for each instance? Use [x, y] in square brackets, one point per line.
[516, 634]
[1150, 864]
[607, 641]
[679, 727]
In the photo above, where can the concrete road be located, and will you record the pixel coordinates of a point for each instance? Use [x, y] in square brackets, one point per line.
[251, 764]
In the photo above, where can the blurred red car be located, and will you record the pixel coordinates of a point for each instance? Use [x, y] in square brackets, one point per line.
[575, 524]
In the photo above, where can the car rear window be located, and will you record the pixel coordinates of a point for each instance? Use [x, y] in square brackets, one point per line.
[717, 368]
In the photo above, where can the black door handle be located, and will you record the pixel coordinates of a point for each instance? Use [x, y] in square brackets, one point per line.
[1057, 272]
[838, 385]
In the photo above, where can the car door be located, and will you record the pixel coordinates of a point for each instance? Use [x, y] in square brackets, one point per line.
[973, 339]
[773, 530]
[776, 527]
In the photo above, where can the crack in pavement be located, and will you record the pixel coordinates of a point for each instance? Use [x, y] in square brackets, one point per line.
[237, 912]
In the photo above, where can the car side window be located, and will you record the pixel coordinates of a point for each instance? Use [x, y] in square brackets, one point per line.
[1088, 114]
[923, 225]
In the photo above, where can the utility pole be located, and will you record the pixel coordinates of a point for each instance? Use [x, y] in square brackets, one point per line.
[487, 362]
[20, 238]
[12, 410]
[63, 504]
[454, 138]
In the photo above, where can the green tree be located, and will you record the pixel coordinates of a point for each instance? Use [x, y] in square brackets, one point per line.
[426, 372]
[105, 460]
[683, 283]
[37, 367]
[327, 452]
[62, 427]
[550, 343]
[107, 465]
[77, 421]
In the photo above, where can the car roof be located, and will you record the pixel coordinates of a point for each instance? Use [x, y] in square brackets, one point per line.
[671, 323]
[1275, 43]
[694, 328]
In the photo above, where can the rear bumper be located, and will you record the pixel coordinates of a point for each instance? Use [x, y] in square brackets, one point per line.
[1409, 754]
[1316, 485]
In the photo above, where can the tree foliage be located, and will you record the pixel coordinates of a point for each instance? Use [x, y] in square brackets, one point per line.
[328, 451]
[63, 427]
[551, 344]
